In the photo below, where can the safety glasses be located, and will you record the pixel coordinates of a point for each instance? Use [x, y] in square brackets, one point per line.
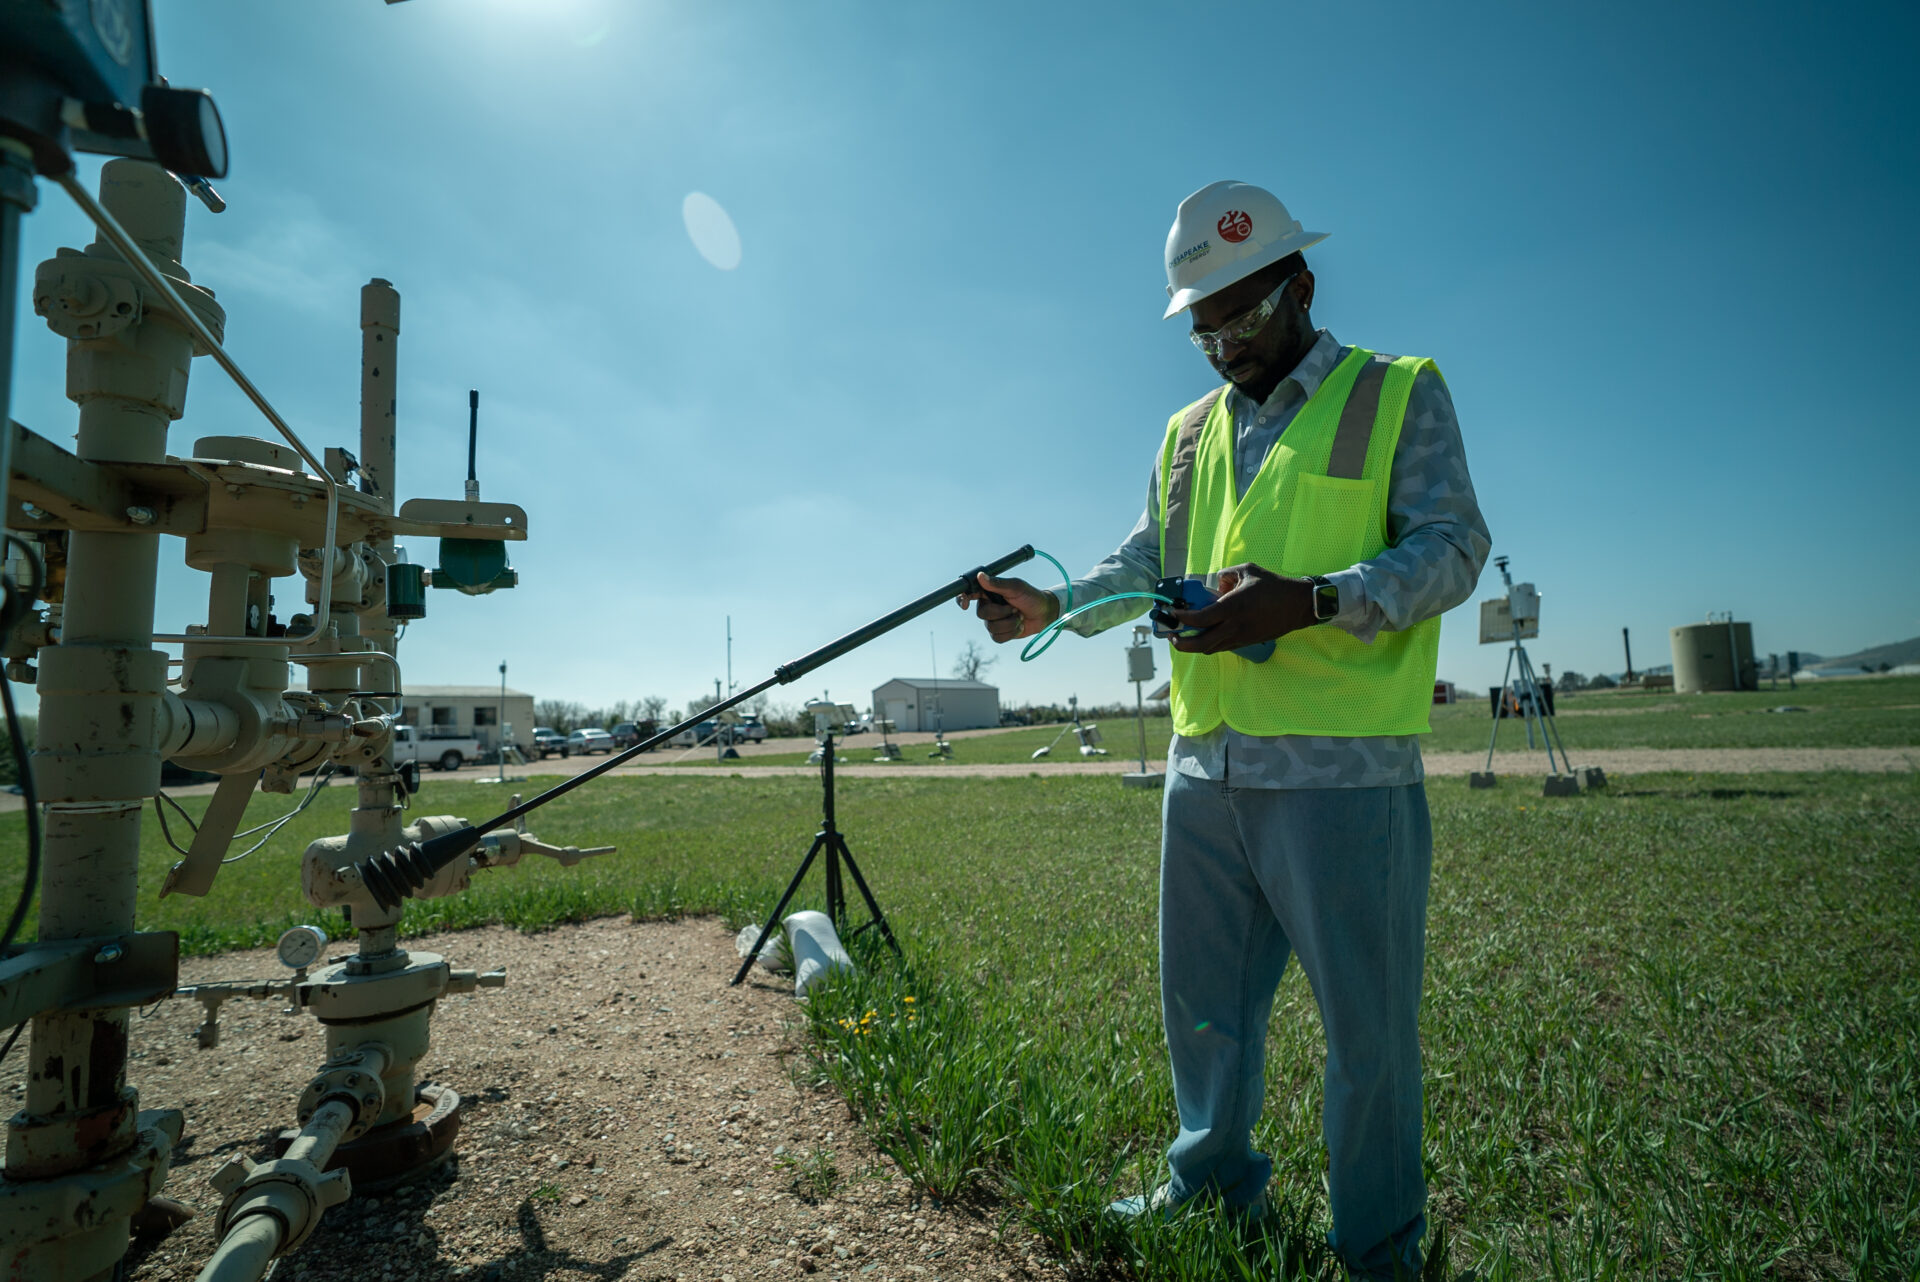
[1241, 329]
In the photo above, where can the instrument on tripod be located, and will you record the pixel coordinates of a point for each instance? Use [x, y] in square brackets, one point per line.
[832, 841]
[1088, 735]
[1510, 618]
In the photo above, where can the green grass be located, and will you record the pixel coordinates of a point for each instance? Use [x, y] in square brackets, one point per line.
[1671, 1031]
[1882, 712]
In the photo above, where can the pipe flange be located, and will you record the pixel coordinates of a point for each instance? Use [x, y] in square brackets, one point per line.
[337, 994]
[290, 1190]
[352, 1086]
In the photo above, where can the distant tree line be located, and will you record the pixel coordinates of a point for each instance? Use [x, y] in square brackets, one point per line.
[1039, 714]
[1567, 682]
[567, 715]
[786, 720]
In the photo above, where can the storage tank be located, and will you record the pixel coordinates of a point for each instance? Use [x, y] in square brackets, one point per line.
[1713, 656]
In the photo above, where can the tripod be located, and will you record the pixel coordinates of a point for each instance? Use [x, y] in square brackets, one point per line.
[1533, 706]
[829, 839]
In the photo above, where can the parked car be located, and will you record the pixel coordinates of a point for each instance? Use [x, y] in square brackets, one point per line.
[441, 754]
[628, 733]
[588, 741]
[702, 733]
[548, 740]
[750, 730]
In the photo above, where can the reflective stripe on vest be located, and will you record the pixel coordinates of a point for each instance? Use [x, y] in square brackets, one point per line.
[1318, 504]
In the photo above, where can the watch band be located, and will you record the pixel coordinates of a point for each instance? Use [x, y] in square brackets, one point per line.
[1326, 597]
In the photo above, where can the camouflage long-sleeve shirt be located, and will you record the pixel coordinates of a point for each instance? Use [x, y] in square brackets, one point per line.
[1437, 543]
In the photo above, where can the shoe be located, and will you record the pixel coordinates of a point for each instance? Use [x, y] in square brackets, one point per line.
[1162, 1203]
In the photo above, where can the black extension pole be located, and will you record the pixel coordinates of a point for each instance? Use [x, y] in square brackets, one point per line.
[473, 429]
[393, 875]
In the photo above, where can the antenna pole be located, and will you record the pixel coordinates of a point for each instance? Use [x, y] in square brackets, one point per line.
[473, 437]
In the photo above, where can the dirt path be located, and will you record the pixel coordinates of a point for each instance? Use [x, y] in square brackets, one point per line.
[1621, 761]
[1727, 761]
[626, 1115]
[1615, 761]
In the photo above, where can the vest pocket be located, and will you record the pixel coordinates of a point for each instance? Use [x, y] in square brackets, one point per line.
[1327, 528]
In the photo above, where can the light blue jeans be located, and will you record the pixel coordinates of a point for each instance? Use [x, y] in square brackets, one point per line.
[1337, 877]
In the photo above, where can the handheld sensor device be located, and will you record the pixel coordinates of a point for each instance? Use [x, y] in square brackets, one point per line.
[1190, 592]
[1181, 592]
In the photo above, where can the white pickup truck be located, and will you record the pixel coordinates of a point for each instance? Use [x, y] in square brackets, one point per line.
[440, 754]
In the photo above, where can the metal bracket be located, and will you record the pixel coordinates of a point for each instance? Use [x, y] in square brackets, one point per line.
[48, 488]
[88, 974]
[459, 519]
[194, 875]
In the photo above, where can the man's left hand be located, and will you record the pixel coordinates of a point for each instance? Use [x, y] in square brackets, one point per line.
[1254, 605]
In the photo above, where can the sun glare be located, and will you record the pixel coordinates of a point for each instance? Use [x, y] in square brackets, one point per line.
[711, 230]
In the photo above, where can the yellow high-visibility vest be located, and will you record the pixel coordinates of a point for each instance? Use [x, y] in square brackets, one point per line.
[1319, 504]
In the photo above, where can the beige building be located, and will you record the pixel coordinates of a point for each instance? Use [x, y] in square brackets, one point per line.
[930, 703]
[468, 712]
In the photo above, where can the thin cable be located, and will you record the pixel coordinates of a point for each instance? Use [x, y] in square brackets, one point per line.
[14, 605]
[1065, 577]
[12, 1037]
[166, 832]
[12, 608]
[273, 826]
[320, 778]
[24, 768]
[1044, 638]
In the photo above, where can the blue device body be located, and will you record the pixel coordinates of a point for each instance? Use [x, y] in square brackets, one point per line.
[1190, 592]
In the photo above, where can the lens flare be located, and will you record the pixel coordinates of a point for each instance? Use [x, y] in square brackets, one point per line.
[711, 230]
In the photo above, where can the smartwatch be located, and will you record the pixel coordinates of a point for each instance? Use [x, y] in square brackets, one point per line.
[1326, 597]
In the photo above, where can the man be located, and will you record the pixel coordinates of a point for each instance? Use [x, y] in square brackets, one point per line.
[1324, 492]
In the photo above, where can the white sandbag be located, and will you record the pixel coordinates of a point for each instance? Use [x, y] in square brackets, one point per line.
[773, 957]
[817, 949]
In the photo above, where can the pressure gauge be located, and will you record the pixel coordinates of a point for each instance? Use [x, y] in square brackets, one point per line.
[301, 947]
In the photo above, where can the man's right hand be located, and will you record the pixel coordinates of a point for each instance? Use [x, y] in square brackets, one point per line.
[1027, 609]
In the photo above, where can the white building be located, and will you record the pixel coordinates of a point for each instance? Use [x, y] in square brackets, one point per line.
[937, 703]
[462, 712]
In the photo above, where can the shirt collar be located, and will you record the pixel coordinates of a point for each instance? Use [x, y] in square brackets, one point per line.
[1306, 377]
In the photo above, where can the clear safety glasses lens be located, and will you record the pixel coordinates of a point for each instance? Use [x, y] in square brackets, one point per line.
[1242, 329]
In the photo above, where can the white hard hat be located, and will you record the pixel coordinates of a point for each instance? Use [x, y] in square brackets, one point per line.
[1226, 232]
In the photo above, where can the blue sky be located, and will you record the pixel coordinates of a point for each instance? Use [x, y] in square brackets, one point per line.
[1662, 253]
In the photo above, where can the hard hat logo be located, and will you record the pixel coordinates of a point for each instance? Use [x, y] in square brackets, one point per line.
[1188, 255]
[1225, 232]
